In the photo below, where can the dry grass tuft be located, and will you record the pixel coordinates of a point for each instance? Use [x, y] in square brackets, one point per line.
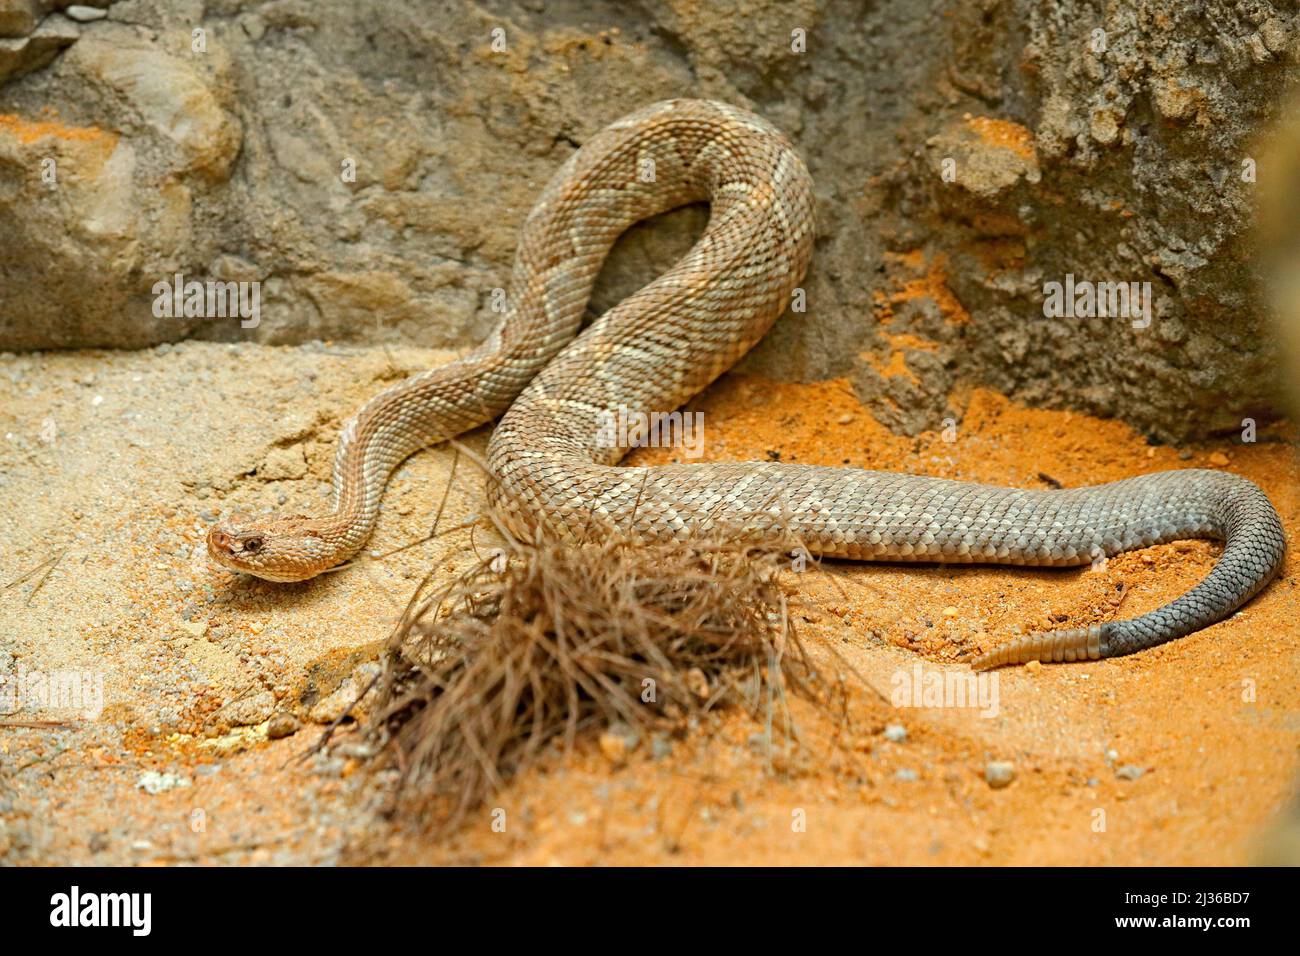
[548, 639]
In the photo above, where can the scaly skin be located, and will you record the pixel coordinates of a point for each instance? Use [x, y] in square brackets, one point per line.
[667, 342]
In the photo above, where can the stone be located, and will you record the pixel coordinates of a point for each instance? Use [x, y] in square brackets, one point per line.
[26, 53]
[84, 14]
[176, 101]
[18, 18]
[999, 774]
[282, 725]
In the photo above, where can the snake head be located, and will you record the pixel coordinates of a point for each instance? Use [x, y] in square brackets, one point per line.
[272, 547]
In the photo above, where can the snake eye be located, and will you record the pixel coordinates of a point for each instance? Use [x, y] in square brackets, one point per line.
[252, 544]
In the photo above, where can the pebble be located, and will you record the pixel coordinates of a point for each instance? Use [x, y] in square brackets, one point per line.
[614, 747]
[1219, 459]
[896, 733]
[999, 773]
[1033, 667]
[282, 726]
[1129, 771]
[153, 782]
[83, 14]
[909, 776]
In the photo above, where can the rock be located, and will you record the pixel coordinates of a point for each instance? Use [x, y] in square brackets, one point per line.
[84, 14]
[152, 782]
[1129, 772]
[617, 741]
[333, 706]
[1220, 460]
[24, 54]
[250, 710]
[613, 747]
[906, 775]
[282, 725]
[896, 733]
[999, 774]
[18, 18]
[989, 155]
[387, 210]
[172, 97]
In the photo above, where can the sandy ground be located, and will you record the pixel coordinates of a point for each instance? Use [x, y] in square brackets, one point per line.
[113, 464]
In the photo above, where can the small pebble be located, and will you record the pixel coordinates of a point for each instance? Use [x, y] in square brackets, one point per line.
[909, 776]
[282, 725]
[1033, 667]
[999, 773]
[896, 733]
[84, 14]
[614, 747]
[1219, 459]
[153, 782]
[1129, 772]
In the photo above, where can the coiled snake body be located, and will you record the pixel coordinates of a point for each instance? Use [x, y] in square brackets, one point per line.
[664, 344]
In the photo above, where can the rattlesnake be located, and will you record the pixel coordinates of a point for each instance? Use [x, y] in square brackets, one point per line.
[665, 343]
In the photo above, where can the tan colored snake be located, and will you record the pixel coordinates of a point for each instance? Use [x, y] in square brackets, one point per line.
[664, 344]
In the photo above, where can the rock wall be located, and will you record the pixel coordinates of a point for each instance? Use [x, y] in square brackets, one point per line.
[369, 163]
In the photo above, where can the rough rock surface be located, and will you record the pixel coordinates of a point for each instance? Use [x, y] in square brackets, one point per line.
[369, 164]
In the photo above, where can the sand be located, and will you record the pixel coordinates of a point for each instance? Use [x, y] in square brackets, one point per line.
[112, 464]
